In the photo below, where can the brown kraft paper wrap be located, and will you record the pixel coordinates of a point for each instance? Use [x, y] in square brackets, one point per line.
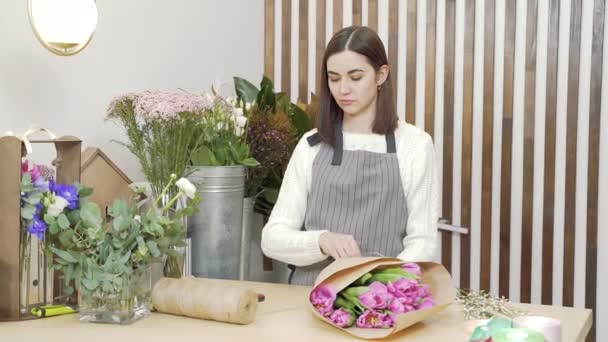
[205, 299]
[343, 272]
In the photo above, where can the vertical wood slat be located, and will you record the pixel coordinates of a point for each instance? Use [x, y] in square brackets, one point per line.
[372, 12]
[467, 141]
[393, 43]
[507, 139]
[338, 15]
[550, 136]
[269, 39]
[320, 42]
[429, 107]
[570, 196]
[410, 68]
[286, 47]
[448, 128]
[488, 141]
[357, 12]
[303, 52]
[594, 154]
[528, 173]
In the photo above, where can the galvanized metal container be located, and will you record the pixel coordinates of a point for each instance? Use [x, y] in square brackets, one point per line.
[217, 227]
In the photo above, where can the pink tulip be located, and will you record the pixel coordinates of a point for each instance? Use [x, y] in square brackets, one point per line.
[426, 303]
[322, 298]
[378, 296]
[404, 287]
[342, 318]
[375, 319]
[413, 268]
[401, 305]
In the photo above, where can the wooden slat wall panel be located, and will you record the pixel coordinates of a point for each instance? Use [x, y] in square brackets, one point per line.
[320, 39]
[488, 119]
[507, 139]
[372, 10]
[429, 120]
[570, 206]
[594, 142]
[286, 47]
[393, 51]
[550, 136]
[467, 147]
[357, 12]
[269, 38]
[550, 156]
[338, 15]
[410, 69]
[528, 187]
[303, 52]
[448, 128]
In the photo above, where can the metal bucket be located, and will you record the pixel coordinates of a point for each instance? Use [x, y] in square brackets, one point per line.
[248, 222]
[216, 229]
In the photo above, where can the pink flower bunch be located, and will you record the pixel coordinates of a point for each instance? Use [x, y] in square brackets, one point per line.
[158, 105]
[375, 299]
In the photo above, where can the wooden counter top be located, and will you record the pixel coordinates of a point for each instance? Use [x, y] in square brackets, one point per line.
[283, 316]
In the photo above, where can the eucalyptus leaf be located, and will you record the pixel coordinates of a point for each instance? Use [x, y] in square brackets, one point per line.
[64, 255]
[90, 284]
[63, 222]
[28, 211]
[153, 248]
[34, 198]
[91, 215]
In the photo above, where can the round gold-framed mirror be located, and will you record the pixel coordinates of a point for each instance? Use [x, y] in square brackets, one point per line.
[64, 27]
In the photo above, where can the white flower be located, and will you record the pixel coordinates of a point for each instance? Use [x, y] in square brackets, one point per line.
[238, 112]
[57, 206]
[238, 131]
[137, 218]
[186, 187]
[241, 121]
[248, 105]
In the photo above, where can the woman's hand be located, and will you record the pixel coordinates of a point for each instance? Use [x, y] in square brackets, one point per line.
[339, 245]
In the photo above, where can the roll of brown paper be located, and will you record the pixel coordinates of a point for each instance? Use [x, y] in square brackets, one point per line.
[205, 299]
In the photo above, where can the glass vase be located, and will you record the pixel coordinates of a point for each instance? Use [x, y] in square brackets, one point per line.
[117, 299]
[35, 286]
[174, 264]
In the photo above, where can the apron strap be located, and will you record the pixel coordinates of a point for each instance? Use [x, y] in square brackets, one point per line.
[339, 148]
[391, 146]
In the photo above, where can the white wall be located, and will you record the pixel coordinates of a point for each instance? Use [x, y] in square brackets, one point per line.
[138, 45]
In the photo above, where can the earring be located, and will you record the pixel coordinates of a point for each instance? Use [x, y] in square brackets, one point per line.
[379, 87]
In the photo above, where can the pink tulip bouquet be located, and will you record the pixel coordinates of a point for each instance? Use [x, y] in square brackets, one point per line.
[371, 297]
[375, 299]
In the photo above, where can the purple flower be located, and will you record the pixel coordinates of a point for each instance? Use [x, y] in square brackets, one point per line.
[404, 288]
[378, 296]
[68, 192]
[37, 227]
[413, 268]
[166, 106]
[375, 319]
[425, 303]
[401, 305]
[322, 298]
[343, 318]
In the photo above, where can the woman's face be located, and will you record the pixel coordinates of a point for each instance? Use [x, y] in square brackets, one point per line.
[353, 82]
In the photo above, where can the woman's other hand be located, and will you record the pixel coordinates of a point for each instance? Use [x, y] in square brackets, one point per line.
[339, 245]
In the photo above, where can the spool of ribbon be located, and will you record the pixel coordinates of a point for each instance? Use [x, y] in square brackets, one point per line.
[518, 335]
[551, 328]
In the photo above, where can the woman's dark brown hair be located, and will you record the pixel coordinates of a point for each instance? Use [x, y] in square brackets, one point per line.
[364, 41]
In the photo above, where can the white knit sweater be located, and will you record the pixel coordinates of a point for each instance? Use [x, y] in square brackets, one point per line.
[281, 237]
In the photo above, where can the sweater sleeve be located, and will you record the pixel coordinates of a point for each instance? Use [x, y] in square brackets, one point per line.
[422, 203]
[282, 238]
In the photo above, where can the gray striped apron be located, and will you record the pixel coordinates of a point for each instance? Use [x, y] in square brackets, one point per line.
[358, 193]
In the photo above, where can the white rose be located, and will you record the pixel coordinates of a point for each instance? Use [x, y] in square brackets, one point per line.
[57, 206]
[186, 187]
[238, 131]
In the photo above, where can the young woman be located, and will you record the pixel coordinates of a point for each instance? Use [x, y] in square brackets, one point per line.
[362, 183]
